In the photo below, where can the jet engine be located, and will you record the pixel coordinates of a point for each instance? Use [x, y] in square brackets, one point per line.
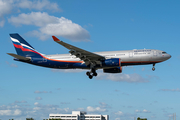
[113, 62]
[113, 70]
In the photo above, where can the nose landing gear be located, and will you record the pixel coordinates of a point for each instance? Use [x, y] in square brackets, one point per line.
[91, 73]
[153, 67]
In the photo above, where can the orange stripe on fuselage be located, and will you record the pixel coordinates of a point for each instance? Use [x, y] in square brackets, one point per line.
[25, 49]
[141, 61]
[64, 60]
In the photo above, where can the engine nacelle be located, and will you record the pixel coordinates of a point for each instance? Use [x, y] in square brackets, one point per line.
[113, 70]
[113, 62]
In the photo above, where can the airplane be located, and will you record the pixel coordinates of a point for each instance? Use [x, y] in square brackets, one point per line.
[110, 62]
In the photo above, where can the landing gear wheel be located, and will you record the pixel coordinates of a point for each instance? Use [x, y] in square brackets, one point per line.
[91, 73]
[95, 74]
[153, 69]
[88, 73]
[90, 76]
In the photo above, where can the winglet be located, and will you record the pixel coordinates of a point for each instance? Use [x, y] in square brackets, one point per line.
[55, 39]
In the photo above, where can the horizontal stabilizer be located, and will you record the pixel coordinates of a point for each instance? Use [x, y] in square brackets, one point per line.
[19, 57]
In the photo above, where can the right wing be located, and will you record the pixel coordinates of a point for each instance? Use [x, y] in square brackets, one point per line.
[86, 56]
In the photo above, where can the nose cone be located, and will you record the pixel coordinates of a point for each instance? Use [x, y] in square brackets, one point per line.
[168, 56]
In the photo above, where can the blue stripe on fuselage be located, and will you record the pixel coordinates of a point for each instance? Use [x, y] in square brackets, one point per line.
[50, 63]
[57, 64]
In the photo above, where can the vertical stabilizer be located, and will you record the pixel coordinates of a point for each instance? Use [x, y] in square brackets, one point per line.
[22, 47]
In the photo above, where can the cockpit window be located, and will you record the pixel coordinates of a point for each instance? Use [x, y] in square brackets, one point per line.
[164, 53]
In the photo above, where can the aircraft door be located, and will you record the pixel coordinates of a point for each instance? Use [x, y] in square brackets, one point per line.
[130, 54]
[154, 53]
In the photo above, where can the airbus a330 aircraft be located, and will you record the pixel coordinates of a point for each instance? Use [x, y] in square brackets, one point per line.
[110, 62]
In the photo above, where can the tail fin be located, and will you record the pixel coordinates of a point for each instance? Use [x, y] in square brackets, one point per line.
[22, 47]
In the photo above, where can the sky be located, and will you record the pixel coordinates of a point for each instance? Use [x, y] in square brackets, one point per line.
[32, 91]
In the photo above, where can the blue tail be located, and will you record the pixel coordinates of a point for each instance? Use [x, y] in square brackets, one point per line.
[23, 48]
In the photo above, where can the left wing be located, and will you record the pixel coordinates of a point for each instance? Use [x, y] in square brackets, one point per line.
[86, 56]
[19, 57]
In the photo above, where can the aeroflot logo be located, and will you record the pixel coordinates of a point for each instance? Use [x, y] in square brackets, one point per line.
[17, 41]
[142, 50]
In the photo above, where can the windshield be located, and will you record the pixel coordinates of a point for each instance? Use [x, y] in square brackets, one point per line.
[164, 53]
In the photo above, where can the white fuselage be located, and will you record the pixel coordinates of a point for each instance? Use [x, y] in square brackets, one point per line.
[128, 57]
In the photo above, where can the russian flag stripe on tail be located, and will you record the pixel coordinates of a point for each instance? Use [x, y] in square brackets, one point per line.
[22, 47]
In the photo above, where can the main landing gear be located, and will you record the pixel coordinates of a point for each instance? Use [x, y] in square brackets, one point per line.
[91, 73]
[153, 67]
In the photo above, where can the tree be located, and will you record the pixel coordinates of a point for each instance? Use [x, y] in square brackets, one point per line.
[141, 118]
[29, 119]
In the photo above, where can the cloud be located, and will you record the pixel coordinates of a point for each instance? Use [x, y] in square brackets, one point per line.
[38, 111]
[125, 93]
[169, 115]
[171, 90]
[79, 109]
[10, 112]
[95, 109]
[38, 98]
[36, 103]
[152, 77]
[2, 23]
[11, 64]
[146, 111]
[119, 113]
[38, 34]
[50, 25]
[143, 111]
[81, 99]
[137, 111]
[104, 105]
[117, 119]
[38, 5]
[101, 108]
[20, 101]
[67, 29]
[5, 7]
[49, 108]
[37, 91]
[130, 106]
[34, 18]
[130, 78]
[8, 6]
[153, 116]
[65, 103]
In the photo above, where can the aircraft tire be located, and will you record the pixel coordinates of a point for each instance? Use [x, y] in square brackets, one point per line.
[88, 73]
[95, 74]
[153, 69]
[90, 76]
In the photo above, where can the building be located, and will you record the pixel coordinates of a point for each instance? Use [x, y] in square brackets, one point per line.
[78, 115]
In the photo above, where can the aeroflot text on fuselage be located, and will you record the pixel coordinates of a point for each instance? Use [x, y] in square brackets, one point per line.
[110, 62]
